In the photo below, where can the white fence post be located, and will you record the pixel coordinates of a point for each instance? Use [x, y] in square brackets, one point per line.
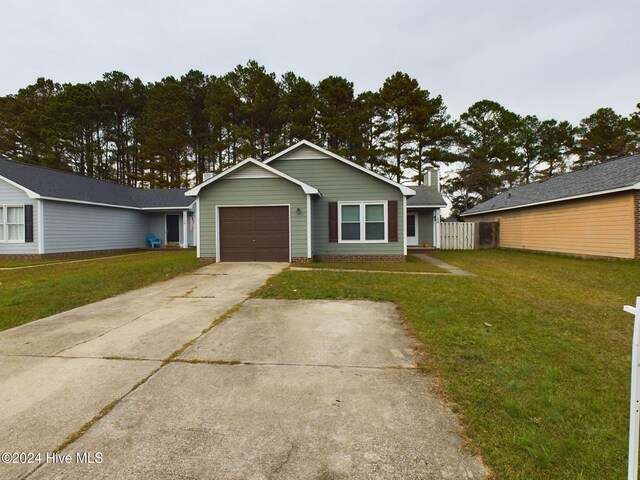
[634, 417]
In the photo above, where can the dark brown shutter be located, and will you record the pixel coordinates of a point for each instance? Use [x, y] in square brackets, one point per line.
[28, 223]
[392, 214]
[333, 221]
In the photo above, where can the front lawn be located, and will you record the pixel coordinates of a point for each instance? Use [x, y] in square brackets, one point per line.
[31, 293]
[412, 264]
[27, 262]
[535, 350]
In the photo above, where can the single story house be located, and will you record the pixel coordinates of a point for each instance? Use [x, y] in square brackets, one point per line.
[589, 212]
[46, 211]
[303, 203]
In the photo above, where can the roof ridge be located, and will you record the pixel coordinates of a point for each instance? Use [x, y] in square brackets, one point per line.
[80, 175]
[74, 174]
[581, 169]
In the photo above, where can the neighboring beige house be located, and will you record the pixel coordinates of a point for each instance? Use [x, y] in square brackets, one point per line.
[589, 212]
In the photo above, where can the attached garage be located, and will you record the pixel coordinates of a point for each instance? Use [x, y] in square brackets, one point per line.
[254, 213]
[254, 234]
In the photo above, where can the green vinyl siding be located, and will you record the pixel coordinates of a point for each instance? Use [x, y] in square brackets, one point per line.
[255, 192]
[339, 182]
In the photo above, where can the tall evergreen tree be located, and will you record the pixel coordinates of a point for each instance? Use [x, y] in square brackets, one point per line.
[557, 140]
[488, 153]
[434, 135]
[122, 100]
[602, 136]
[399, 99]
[297, 110]
[78, 119]
[259, 94]
[163, 130]
[27, 129]
[223, 107]
[335, 114]
[366, 147]
[634, 130]
[195, 84]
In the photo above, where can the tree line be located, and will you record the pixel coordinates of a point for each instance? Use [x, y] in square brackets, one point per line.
[169, 133]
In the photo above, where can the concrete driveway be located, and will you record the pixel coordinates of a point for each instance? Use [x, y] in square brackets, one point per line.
[280, 389]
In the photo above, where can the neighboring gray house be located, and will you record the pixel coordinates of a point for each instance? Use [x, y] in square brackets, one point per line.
[45, 211]
[306, 202]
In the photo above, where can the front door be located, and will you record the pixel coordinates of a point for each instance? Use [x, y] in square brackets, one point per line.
[173, 229]
[412, 229]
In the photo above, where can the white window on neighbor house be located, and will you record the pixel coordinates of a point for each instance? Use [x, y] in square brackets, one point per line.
[362, 222]
[12, 224]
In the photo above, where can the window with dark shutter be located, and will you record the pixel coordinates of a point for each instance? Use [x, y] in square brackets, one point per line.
[28, 223]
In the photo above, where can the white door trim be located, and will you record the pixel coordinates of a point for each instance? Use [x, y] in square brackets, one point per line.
[218, 207]
[412, 241]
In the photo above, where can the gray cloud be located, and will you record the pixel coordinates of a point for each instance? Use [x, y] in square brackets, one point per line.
[559, 59]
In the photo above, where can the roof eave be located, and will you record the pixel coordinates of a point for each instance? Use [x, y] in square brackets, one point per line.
[307, 189]
[556, 200]
[406, 191]
[30, 193]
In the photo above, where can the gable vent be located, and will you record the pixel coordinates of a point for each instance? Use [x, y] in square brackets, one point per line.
[251, 171]
[304, 153]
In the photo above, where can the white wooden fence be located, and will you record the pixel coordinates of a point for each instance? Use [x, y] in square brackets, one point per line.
[457, 236]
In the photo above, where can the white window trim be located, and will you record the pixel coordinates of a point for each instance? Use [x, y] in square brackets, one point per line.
[363, 221]
[5, 218]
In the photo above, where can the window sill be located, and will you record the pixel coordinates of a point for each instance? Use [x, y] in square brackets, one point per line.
[363, 241]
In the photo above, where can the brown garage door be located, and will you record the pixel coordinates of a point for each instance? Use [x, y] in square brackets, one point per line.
[254, 234]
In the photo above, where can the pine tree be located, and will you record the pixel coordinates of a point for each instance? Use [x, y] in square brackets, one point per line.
[298, 109]
[557, 141]
[488, 154]
[434, 135]
[602, 136]
[399, 98]
[163, 130]
[195, 84]
[122, 100]
[335, 114]
[78, 119]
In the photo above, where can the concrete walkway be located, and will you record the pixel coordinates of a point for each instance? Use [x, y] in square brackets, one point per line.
[443, 265]
[278, 389]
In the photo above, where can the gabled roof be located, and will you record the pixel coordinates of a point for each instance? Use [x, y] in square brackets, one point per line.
[308, 189]
[405, 190]
[426, 196]
[610, 177]
[48, 183]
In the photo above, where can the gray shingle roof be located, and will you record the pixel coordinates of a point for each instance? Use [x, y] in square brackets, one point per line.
[48, 182]
[617, 174]
[425, 195]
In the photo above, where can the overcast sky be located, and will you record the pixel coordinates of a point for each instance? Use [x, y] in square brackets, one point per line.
[561, 59]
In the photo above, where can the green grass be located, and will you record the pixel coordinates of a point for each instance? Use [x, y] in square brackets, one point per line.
[13, 262]
[543, 389]
[32, 293]
[412, 264]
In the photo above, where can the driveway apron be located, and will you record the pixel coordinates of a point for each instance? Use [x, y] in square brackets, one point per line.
[285, 389]
[58, 373]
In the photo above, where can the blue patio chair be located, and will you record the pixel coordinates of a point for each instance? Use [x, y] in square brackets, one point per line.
[153, 241]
